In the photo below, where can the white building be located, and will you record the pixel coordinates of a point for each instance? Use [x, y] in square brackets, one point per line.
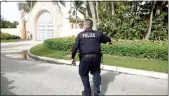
[46, 20]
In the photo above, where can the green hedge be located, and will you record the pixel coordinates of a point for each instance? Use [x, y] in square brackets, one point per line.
[139, 48]
[64, 44]
[7, 36]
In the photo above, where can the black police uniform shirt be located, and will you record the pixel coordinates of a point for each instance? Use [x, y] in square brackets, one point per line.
[88, 42]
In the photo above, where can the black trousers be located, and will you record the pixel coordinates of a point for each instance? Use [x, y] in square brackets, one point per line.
[92, 65]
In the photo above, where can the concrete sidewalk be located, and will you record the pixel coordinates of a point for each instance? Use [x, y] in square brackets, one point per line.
[152, 74]
[20, 42]
[17, 47]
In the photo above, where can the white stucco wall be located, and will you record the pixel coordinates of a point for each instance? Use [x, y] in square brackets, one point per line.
[62, 26]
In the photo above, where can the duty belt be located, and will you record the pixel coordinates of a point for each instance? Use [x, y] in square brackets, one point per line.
[90, 55]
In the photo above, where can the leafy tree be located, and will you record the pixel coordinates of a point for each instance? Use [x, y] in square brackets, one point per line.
[15, 23]
[8, 24]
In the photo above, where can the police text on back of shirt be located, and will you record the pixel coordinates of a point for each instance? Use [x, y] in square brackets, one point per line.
[88, 35]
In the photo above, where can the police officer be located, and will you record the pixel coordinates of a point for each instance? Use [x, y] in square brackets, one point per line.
[88, 44]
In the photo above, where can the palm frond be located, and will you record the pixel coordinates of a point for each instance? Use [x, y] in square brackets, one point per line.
[27, 7]
[61, 2]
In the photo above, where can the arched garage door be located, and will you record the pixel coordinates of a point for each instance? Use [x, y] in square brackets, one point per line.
[45, 27]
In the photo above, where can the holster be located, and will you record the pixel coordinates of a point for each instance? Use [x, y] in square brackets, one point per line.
[101, 56]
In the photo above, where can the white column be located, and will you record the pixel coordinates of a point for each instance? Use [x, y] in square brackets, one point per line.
[66, 31]
[22, 25]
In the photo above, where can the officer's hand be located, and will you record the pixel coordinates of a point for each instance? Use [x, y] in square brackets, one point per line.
[73, 62]
[110, 43]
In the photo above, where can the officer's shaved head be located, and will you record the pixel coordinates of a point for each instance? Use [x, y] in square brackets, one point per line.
[88, 23]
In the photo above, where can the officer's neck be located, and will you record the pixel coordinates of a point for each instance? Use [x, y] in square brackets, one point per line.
[89, 29]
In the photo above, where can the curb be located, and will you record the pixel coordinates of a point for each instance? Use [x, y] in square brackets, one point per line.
[152, 74]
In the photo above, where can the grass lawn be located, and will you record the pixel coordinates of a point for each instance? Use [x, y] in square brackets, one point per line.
[14, 40]
[128, 62]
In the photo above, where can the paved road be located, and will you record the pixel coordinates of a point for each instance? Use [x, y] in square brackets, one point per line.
[25, 77]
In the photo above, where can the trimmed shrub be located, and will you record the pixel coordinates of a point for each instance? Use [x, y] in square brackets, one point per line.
[64, 44]
[7, 36]
[137, 48]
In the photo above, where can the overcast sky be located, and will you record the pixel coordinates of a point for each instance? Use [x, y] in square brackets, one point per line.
[9, 11]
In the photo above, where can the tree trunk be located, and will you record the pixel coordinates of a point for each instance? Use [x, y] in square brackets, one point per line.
[88, 10]
[97, 12]
[112, 7]
[70, 10]
[150, 25]
[76, 18]
[93, 15]
[87, 15]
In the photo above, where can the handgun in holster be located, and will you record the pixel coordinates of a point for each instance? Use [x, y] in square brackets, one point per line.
[80, 55]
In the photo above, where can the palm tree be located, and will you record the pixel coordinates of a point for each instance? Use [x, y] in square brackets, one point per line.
[78, 6]
[156, 8]
[59, 2]
[112, 6]
[151, 18]
[97, 12]
[92, 9]
[88, 11]
[26, 7]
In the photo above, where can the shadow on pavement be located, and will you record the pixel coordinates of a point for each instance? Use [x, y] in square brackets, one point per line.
[107, 78]
[5, 86]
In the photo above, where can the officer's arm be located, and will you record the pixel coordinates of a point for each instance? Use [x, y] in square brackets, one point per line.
[104, 38]
[75, 46]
